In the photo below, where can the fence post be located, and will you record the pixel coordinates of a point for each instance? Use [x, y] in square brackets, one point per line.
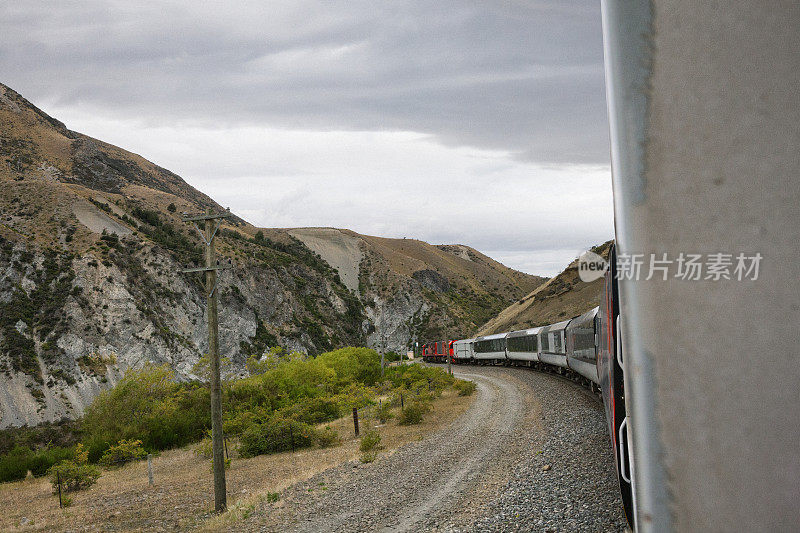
[150, 469]
[355, 419]
[60, 503]
[225, 441]
[402, 405]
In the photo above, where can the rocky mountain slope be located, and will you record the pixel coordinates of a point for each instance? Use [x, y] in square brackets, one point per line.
[91, 246]
[561, 297]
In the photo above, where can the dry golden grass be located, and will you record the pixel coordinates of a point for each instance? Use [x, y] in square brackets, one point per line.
[560, 298]
[182, 497]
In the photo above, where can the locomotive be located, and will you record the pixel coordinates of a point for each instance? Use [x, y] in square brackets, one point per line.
[585, 348]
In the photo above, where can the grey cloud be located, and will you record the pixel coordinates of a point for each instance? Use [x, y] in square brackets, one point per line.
[519, 76]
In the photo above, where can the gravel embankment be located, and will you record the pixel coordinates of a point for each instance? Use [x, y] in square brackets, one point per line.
[579, 491]
[484, 472]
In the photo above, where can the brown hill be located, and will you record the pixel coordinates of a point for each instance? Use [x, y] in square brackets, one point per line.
[417, 290]
[561, 297]
[91, 246]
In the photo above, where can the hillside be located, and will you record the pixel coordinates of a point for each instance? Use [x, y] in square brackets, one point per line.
[91, 246]
[561, 297]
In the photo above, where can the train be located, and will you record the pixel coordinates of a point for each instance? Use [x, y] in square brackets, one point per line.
[586, 349]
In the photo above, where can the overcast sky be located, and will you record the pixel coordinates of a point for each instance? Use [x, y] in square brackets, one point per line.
[482, 123]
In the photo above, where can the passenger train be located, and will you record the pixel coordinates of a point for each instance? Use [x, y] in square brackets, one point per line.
[585, 348]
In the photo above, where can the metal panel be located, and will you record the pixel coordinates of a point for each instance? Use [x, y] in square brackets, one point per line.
[587, 370]
[705, 130]
[523, 356]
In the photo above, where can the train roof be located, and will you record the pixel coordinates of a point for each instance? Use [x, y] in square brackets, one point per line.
[558, 326]
[524, 332]
[493, 336]
[585, 317]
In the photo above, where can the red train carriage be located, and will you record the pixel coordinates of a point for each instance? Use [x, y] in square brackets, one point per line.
[438, 352]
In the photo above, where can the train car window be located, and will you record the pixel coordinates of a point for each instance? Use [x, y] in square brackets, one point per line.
[522, 344]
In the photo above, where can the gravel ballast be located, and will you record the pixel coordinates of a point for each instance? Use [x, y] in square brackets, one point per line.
[531, 454]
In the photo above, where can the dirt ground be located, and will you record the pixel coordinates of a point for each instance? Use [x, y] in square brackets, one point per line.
[182, 498]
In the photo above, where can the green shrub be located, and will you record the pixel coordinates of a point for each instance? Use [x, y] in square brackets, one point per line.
[353, 364]
[276, 435]
[370, 441]
[384, 412]
[368, 457]
[203, 448]
[464, 387]
[73, 474]
[328, 438]
[273, 497]
[122, 452]
[148, 405]
[414, 412]
[312, 410]
[20, 459]
[421, 380]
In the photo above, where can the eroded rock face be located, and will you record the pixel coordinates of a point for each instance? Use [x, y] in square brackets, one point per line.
[130, 309]
[432, 280]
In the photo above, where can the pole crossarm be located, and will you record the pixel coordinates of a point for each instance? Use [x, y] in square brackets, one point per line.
[206, 269]
[212, 216]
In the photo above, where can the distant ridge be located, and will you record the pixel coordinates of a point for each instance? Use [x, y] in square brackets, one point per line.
[563, 296]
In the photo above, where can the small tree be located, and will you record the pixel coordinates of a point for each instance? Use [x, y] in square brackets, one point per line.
[259, 364]
[74, 474]
[413, 413]
[122, 452]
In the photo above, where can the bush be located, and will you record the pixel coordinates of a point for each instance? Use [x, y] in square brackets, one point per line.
[148, 405]
[370, 441]
[384, 412]
[464, 387]
[123, 452]
[328, 438]
[413, 413]
[74, 474]
[20, 459]
[368, 457]
[276, 435]
[354, 364]
[423, 381]
[203, 448]
[312, 411]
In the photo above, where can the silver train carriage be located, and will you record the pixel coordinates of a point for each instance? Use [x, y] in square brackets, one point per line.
[490, 347]
[582, 345]
[552, 344]
[523, 345]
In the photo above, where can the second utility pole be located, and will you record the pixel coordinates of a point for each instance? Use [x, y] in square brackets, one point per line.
[212, 224]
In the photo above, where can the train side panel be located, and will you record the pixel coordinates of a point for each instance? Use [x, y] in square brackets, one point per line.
[582, 340]
[490, 347]
[523, 345]
[552, 343]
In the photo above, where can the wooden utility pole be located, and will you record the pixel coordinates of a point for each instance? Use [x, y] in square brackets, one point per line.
[447, 354]
[383, 344]
[383, 351]
[212, 224]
